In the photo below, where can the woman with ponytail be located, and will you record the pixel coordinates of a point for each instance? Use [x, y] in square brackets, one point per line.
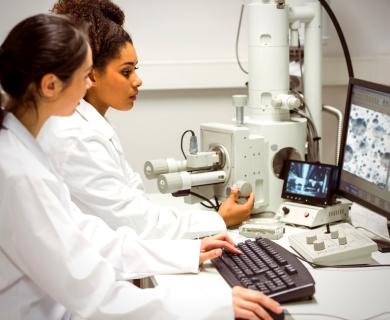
[85, 150]
[55, 261]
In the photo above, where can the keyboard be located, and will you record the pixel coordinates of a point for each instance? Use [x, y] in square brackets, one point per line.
[266, 266]
[343, 244]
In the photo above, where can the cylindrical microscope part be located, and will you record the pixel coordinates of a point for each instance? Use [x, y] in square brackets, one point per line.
[172, 182]
[239, 102]
[154, 168]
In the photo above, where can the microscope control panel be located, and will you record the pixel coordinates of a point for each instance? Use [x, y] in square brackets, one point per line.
[341, 244]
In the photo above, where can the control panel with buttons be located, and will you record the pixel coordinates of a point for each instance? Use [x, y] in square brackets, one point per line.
[335, 245]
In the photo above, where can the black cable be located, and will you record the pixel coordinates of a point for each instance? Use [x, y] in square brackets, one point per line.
[344, 45]
[206, 206]
[217, 203]
[204, 199]
[181, 142]
[313, 138]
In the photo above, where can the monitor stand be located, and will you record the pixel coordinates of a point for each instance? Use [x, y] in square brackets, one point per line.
[384, 246]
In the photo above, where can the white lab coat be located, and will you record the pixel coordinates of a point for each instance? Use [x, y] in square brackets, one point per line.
[58, 263]
[87, 153]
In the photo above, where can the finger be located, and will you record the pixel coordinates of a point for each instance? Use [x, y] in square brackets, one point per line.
[204, 256]
[254, 308]
[262, 299]
[249, 203]
[221, 244]
[240, 313]
[233, 193]
[224, 236]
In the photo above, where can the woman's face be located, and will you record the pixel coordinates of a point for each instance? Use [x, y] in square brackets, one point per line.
[117, 85]
[75, 90]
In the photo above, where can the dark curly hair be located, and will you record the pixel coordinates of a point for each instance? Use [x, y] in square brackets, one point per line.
[105, 20]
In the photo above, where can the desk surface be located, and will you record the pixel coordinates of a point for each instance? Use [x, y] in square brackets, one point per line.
[358, 293]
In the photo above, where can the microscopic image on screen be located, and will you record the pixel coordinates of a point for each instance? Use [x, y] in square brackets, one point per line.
[367, 149]
[309, 180]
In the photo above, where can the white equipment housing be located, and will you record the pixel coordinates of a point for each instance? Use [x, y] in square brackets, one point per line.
[313, 216]
[255, 145]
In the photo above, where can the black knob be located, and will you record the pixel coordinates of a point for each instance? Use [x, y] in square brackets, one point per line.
[286, 210]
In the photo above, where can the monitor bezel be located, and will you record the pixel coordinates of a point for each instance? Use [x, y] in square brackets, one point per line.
[369, 85]
[330, 197]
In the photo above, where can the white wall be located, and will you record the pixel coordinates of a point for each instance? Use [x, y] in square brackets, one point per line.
[190, 44]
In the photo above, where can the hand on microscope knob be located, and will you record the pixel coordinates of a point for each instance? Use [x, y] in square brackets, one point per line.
[233, 212]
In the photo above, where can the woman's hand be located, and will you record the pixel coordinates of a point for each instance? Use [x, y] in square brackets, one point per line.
[232, 212]
[251, 304]
[211, 247]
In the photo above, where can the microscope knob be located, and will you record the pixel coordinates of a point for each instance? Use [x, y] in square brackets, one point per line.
[244, 189]
[311, 238]
[285, 210]
[342, 239]
[319, 245]
[334, 234]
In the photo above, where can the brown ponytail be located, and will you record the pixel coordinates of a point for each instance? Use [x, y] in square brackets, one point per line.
[41, 44]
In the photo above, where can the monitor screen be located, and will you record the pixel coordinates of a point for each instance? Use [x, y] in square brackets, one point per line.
[365, 147]
[311, 183]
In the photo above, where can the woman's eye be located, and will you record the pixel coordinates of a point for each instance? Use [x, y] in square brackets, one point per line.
[126, 73]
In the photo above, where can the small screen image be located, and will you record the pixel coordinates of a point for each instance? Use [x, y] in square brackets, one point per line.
[312, 183]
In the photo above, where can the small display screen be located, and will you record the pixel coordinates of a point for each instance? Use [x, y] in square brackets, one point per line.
[311, 183]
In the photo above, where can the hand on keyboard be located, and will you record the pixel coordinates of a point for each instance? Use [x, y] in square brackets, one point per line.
[251, 304]
[266, 266]
[211, 247]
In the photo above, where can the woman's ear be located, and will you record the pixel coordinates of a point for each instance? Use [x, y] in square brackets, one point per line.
[92, 76]
[51, 86]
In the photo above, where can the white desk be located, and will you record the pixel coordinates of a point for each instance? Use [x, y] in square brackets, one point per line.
[345, 293]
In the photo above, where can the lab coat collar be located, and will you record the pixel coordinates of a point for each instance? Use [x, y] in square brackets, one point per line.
[91, 115]
[20, 131]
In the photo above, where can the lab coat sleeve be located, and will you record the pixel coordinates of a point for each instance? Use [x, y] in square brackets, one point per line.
[42, 239]
[133, 257]
[93, 173]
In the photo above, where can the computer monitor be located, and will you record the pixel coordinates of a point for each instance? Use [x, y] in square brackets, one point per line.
[364, 162]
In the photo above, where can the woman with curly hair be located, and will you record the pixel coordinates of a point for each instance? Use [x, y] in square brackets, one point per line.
[86, 150]
[87, 153]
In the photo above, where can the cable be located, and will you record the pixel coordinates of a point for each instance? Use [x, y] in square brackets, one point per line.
[218, 205]
[312, 137]
[205, 199]
[336, 317]
[341, 36]
[181, 141]
[206, 206]
[339, 116]
[377, 315]
[318, 314]
[237, 40]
